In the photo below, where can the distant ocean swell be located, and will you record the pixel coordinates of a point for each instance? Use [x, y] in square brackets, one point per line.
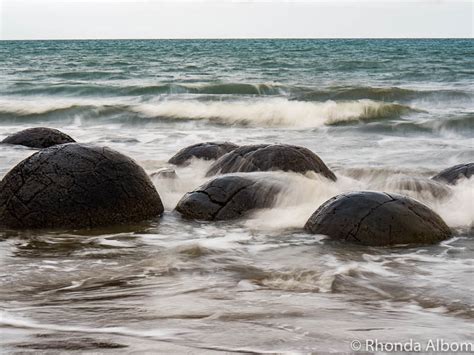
[300, 93]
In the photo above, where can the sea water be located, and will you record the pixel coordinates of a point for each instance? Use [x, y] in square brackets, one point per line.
[374, 110]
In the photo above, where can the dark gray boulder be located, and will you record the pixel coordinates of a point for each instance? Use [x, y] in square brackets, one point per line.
[378, 219]
[268, 157]
[206, 151]
[38, 137]
[453, 174]
[228, 197]
[76, 186]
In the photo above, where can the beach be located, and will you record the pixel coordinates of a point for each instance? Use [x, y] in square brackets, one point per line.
[375, 111]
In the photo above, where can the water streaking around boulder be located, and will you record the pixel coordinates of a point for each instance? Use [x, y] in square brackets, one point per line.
[242, 141]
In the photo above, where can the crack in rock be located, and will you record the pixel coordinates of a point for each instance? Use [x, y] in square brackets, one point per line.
[76, 186]
[375, 218]
[228, 197]
[268, 157]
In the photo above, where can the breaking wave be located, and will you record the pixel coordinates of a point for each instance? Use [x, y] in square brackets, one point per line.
[277, 112]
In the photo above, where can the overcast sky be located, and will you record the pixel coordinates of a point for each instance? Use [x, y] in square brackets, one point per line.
[76, 19]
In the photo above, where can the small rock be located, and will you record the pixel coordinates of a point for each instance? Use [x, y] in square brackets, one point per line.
[455, 173]
[165, 173]
[38, 137]
[206, 151]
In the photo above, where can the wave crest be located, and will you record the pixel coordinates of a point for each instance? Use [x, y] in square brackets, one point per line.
[296, 92]
[276, 112]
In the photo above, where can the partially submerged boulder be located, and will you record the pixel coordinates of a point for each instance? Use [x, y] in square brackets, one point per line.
[268, 157]
[75, 186]
[38, 137]
[455, 173]
[205, 151]
[229, 197]
[378, 219]
[164, 173]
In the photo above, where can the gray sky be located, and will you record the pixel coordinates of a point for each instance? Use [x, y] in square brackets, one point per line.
[75, 19]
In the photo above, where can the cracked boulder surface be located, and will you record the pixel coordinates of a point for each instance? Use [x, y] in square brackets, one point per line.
[378, 219]
[268, 157]
[206, 151]
[76, 186]
[228, 197]
[38, 137]
[455, 173]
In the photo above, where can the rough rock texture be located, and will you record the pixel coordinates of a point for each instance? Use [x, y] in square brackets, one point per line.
[423, 186]
[75, 185]
[267, 157]
[206, 151]
[228, 197]
[453, 174]
[38, 137]
[376, 218]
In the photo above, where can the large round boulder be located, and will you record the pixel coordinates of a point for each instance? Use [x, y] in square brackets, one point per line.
[378, 219]
[268, 157]
[205, 151]
[453, 174]
[229, 197]
[38, 137]
[76, 186]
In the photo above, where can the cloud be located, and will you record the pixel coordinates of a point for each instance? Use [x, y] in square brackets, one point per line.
[54, 19]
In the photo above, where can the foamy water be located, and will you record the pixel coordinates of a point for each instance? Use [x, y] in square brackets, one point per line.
[383, 115]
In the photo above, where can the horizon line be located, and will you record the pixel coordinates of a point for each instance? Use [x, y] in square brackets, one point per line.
[230, 38]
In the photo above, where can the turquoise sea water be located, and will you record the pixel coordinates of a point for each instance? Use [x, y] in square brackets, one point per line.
[373, 110]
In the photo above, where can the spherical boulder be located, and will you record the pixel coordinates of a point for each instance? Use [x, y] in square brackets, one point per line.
[38, 137]
[76, 186]
[205, 151]
[268, 157]
[378, 219]
[455, 173]
[229, 197]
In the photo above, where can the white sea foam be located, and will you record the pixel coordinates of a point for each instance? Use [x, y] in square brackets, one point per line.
[458, 210]
[263, 112]
[304, 194]
[9, 320]
[40, 106]
[278, 112]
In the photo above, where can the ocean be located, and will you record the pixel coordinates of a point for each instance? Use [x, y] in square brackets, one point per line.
[373, 110]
